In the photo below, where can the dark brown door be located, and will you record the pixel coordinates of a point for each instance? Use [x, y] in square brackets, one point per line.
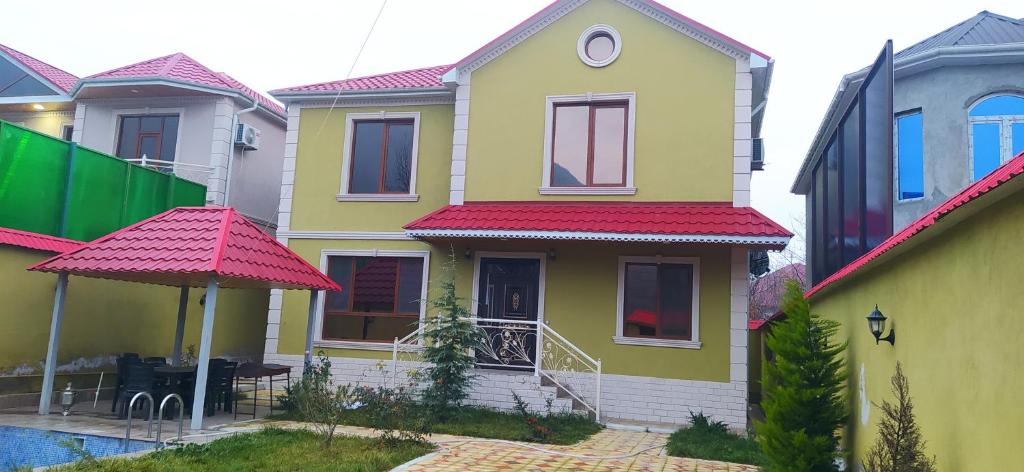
[508, 290]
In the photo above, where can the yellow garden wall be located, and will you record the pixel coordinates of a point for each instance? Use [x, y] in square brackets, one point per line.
[318, 172]
[954, 302]
[684, 108]
[103, 318]
[580, 303]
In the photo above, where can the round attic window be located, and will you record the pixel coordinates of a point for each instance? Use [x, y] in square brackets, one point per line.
[599, 45]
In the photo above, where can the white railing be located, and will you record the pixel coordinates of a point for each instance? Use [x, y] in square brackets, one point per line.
[197, 173]
[523, 345]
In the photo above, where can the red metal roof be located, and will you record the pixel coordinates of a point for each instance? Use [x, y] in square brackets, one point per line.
[182, 68]
[1001, 175]
[39, 242]
[62, 79]
[608, 221]
[186, 245]
[426, 77]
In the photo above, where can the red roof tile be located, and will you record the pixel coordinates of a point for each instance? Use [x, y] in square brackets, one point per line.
[186, 245]
[37, 241]
[1000, 176]
[180, 67]
[426, 77]
[611, 221]
[62, 79]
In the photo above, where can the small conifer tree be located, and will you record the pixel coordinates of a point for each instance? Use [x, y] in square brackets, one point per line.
[899, 447]
[803, 391]
[450, 337]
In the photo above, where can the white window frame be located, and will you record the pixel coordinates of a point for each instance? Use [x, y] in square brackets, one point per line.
[118, 114]
[1005, 123]
[346, 160]
[896, 152]
[619, 338]
[318, 339]
[549, 121]
[581, 44]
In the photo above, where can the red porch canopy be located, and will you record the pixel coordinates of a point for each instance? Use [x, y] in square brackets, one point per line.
[717, 222]
[210, 247]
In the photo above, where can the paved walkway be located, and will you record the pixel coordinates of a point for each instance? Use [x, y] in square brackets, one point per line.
[605, 451]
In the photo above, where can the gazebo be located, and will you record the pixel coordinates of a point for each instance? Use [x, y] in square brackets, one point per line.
[212, 247]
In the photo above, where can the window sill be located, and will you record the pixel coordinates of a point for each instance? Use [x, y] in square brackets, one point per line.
[677, 343]
[377, 197]
[909, 200]
[587, 191]
[364, 345]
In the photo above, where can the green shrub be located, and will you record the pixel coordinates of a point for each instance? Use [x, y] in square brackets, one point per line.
[317, 400]
[393, 413]
[899, 447]
[711, 440]
[803, 391]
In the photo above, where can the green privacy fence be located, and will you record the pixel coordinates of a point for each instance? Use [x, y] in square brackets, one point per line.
[54, 187]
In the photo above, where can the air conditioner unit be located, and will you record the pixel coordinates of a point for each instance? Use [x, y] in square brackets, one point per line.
[247, 137]
[757, 157]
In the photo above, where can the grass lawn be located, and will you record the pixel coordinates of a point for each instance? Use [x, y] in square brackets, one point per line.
[478, 422]
[267, 450]
[713, 441]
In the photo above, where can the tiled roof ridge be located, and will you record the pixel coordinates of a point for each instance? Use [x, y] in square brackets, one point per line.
[340, 83]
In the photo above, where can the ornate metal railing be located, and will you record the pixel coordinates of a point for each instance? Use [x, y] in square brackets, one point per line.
[518, 345]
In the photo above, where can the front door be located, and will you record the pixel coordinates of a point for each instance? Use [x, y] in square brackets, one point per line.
[508, 295]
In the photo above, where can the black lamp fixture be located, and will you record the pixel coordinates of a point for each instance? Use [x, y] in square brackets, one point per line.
[876, 323]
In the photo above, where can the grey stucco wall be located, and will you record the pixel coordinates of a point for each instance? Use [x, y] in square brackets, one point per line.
[944, 95]
[256, 174]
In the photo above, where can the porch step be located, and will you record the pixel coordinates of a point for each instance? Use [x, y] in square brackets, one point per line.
[560, 392]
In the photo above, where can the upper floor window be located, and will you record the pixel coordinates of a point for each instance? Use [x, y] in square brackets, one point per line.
[997, 132]
[153, 136]
[380, 156]
[589, 145]
[910, 155]
[381, 297]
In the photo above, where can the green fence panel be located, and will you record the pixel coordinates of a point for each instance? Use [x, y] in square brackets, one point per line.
[187, 193]
[98, 184]
[147, 194]
[33, 175]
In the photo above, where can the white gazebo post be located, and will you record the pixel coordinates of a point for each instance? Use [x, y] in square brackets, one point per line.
[205, 341]
[314, 298]
[51, 349]
[179, 333]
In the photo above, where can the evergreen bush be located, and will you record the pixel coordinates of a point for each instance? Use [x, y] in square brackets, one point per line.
[899, 447]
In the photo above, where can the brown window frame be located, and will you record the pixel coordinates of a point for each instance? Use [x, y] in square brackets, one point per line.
[592, 113]
[383, 155]
[657, 300]
[139, 135]
[395, 313]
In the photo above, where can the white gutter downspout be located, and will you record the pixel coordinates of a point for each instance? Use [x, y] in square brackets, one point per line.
[231, 149]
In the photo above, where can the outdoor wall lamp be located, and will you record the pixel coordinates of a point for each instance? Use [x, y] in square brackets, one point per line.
[876, 323]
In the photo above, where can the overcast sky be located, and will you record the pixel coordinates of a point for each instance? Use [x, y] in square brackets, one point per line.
[277, 44]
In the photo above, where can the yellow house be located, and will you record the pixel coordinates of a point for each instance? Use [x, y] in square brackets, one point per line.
[589, 170]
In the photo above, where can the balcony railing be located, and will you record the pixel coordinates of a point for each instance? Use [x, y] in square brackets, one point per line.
[520, 345]
[197, 173]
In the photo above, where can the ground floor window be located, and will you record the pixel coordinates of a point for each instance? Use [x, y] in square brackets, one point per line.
[380, 299]
[658, 298]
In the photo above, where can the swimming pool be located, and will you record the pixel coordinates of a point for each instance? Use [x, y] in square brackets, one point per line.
[20, 447]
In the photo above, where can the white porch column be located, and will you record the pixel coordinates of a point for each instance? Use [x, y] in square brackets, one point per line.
[203, 368]
[51, 349]
[314, 299]
[179, 333]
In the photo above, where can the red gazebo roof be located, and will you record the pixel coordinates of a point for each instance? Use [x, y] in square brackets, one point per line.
[37, 241]
[185, 246]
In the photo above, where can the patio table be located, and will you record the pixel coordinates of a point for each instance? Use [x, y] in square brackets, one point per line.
[180, 380]
[252, 372]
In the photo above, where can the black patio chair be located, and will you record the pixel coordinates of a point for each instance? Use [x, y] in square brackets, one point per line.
[139, 379]
[221, 386]
[126, 359]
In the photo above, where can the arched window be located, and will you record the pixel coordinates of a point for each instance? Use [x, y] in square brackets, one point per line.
[996, 131]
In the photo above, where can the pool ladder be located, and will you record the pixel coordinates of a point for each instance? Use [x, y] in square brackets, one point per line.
[159, 418]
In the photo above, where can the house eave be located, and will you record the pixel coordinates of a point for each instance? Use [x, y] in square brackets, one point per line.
[439, 92]
[129, 81]
[773, 242]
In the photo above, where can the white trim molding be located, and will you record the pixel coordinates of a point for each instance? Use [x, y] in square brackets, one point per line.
[549, 121]
[318, 340]
[460, 141]
[743, 144]
[346, 153]
[779, 241]
[620, 338]
[592, 32]
[347, 235]
[738, 316]
[541, 281]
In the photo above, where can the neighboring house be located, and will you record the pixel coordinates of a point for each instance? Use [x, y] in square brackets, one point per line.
[185, 116]
[590, 169]
[949, 284]
[35, 94]
[958, 103]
